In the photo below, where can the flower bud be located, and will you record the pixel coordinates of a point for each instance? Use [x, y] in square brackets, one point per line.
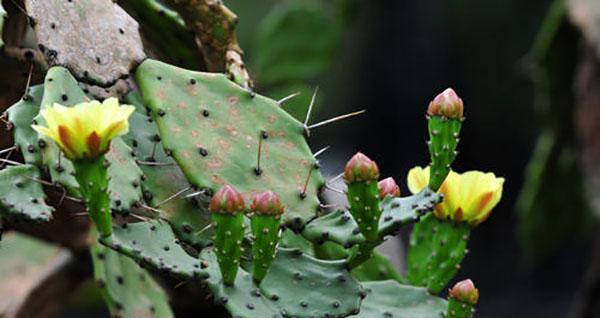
[267, 203]
[227, 200]
[446, 104]
[465, 292]
[361, 169]
[387, 187]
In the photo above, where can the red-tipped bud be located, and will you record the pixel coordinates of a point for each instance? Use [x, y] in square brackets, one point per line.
[387, 187]
[446, 104]
[227, 200]
[266, 203]
[360, 169]
[465, 292]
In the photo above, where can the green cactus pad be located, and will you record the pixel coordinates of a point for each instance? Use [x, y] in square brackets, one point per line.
[125, 177]
[96, 39]
[340, 227]
[390, 299]
[443, 134]
[153, 244]
[212, 128]
[265, 232]
[365, 207]
[21, 115]
[128, 290]
[21, 196]
[437, 247]
[189, 217]
[314, 288]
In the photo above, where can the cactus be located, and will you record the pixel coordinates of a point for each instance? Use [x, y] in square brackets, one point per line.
[437, 247]
[125, 177]
[189, 217]
[22, 195]
[103, 40]
[444, 116]
[341, 228]
[21, 115]
[461, 300]
[210, 125]
[309, 278]
[227, 207]
[153, 244]
[390, 299]
[266, 212]
[127, 289]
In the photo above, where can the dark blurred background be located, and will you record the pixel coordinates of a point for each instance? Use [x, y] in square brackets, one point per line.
[392, 58]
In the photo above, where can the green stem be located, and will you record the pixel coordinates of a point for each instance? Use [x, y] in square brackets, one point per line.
[459, 309]
[93, 182]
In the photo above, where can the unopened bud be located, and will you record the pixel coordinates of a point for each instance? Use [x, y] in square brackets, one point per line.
[227, 200]
[387, 187]
[360, 169]
[465, 291]
[267, 203]
[446, 104]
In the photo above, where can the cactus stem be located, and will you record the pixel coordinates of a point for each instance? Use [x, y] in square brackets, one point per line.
[285, 99]
[322, 150]
[337, 118]
[172, 197]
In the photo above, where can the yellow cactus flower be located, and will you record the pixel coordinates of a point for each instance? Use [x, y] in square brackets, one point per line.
[85, 130]
[468, 196]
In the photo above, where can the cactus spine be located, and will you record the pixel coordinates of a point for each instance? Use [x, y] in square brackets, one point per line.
[461, 300]
[444, 116]
[227, 207]
[265, 222]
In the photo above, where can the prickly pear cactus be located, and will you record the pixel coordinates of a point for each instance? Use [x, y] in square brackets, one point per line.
[211, 126]
[22, 195]
[188, 216]
[390, 299]
[312, 288]
[153, 244]
[21, 115]
[437, 247]
[127, 289]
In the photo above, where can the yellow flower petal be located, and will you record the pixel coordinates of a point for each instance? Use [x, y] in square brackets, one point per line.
[418, 178]
[85, 130]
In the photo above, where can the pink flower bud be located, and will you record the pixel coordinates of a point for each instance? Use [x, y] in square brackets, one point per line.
[227, 200]
[387, 187]
[267, 203]
[465, 291]
[446, 104]
[361, 169]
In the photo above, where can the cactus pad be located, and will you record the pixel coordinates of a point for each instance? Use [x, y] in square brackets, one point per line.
[128, 290]
[96, 39]
[125, 177]
[189, 217]
[213, 127]
[390, 299]
[341, 228]
[153, 243]
[21, 196]
[437, 247]
[320, 288]
[21, 115]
